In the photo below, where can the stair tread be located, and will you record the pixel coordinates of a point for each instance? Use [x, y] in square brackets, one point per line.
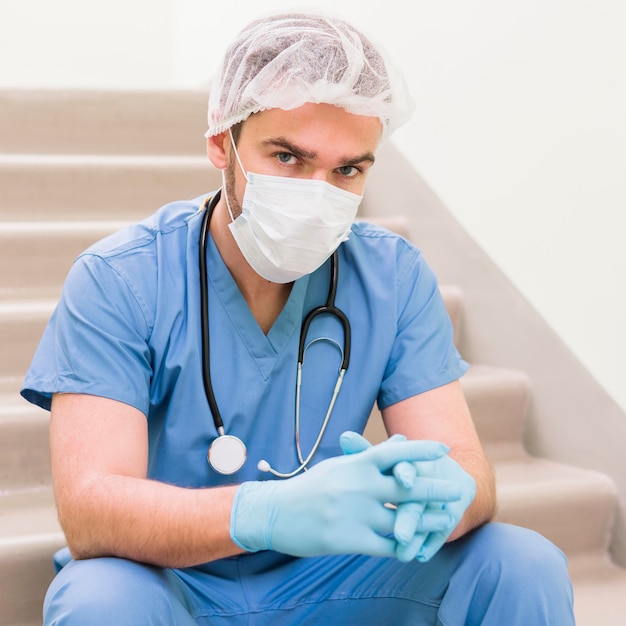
[26, 306]
[27, 516]
[33, 160]
[571, 506]
[15, 228]
[51, 187]
[599, 590]
[29, 536]
[525, 471]
[103, 120]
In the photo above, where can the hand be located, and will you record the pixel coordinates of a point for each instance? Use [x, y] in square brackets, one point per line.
[423, 549]
[421, 528]
[338, 506]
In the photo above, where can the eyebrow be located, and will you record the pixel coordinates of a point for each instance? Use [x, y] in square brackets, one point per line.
[301, 153]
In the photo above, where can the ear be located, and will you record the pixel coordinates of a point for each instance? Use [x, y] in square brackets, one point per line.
[216, 149]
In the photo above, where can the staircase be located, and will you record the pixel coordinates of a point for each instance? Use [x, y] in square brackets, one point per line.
[76, 166]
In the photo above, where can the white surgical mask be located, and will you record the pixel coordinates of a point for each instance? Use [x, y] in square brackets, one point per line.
[288, 227]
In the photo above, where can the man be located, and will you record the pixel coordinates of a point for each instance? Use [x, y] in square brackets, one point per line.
[153, 360]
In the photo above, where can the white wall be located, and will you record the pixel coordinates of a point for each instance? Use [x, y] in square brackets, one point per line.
[75, 43]
[520, 125]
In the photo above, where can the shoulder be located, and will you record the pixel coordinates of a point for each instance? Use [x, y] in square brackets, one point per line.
[381, 248]
[171, 221]
[386, 263]
[133, 264]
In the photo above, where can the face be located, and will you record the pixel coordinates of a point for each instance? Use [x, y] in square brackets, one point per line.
[316, 141]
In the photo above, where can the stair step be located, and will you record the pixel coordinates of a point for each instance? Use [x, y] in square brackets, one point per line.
[22, 323]
[106, 122]
[24, 445]
[498, 399]
[26, 250]
[98, 187]
[36, 256]
[572, 507]
[599, 590]
[29, 536]
[453, 297]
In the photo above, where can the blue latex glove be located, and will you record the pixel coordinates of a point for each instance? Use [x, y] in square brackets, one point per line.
[338, 506]
[421, 528]
[423, 549]
[409, 515]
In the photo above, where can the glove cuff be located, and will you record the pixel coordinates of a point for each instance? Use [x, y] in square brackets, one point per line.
[249, 527]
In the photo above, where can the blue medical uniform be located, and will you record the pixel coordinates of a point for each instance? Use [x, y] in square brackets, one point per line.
[127, 327]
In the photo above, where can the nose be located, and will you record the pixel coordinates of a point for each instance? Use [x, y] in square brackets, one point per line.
[320, 174]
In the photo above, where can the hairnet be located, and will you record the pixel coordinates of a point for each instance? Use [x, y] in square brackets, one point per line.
[287, 60]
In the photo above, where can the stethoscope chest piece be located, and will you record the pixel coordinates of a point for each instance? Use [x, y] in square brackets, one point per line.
[227, 454]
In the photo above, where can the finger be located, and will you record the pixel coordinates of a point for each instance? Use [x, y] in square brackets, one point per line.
[426, 468]
[431, 546]
[413, 518]
[408, 552]
[405, 474]
[407, 520]
[382, 521]
[379, 546]
[427, 491]
[389, 453]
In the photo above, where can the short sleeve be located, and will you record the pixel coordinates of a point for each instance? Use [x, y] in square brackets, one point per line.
[96, 341]
[423, 355]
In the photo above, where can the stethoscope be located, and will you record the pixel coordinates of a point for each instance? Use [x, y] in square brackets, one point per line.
[227, 453]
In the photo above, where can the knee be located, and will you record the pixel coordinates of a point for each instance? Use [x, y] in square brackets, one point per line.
[108, 591]
[511, 575]
[519, 558]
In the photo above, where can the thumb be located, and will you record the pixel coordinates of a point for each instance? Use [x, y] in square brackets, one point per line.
[352, 442]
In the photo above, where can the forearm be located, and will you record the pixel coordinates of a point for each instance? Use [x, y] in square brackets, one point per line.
[483, 507]
[147, 521]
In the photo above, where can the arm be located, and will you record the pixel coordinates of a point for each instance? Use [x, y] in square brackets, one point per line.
[107, 506]
[442, 414]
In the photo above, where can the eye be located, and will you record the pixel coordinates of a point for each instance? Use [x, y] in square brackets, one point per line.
[348, 171]
[286, 157]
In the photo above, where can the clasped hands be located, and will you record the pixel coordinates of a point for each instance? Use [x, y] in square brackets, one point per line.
[397, 499]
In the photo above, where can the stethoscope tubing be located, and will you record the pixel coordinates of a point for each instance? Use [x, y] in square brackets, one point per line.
[329, 308]
[204, 315]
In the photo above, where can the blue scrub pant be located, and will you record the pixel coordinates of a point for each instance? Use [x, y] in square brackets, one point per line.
[498, 575]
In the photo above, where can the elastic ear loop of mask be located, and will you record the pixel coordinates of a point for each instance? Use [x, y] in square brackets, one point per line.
[243, 171]
[232, 143]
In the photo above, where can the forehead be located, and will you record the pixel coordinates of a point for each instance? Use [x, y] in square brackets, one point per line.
[315, 128]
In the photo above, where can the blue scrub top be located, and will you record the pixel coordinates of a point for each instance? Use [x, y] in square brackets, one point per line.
[127, 327]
